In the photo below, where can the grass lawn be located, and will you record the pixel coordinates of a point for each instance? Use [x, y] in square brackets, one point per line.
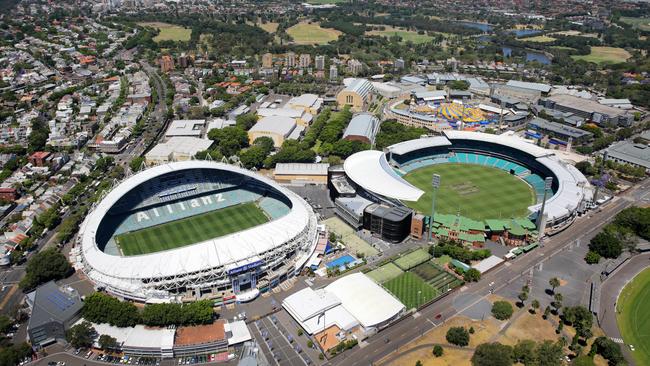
[605, 55]
[478, 192]
[633, 316]
[411, 290]
[640, 23]
[169, 32]
[385, 273]
[270, 27]
[306, 33]
[191, 230]
[406, 35]
[412, 259]
[539, 39]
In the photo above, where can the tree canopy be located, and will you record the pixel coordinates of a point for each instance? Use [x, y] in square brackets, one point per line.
[492, 354]
[502, 310]
[44, 266]
[458, 336]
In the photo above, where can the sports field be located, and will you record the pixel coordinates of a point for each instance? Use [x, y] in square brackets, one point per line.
[639, 23]
[406, 35]
[539, 39]
[191, 230]
[411, 290]
[169, 32]
[605, 55]
[312, 33]
[385, 273]
[412, 259]
[633, 316]
[478, 192]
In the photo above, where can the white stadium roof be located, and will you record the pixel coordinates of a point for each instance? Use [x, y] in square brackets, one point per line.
[417, 144]
[371, 170]
[230, 251]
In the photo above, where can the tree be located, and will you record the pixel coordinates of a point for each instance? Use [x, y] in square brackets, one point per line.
[458, 336]
[550, 353]
[5, 324]
[438, 350]
[547, 311]
[229, 139]
[606, 244]
[492, 354]
[554, 283]
[264, 141]
[592, 257]
[472, 275]
[557, 301]
[107, 342]
[102, 308]
[502, 310]
[534, 305]
[525, 352]
[581, 318]
[47, 265]
[246, 121]
[13, 354]
[136, 164]
[81, 335]
[418, 363]
[523, 296]
[583, 360]
[609, 350]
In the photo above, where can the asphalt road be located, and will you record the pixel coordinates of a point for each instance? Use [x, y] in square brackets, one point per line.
[391, 339]
[610, 290]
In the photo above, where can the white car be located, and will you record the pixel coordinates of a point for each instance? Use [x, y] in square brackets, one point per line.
[631, 347]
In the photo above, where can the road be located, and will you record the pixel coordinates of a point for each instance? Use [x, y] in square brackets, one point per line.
[411, 328]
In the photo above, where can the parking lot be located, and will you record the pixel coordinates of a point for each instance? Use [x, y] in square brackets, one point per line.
[278, 344]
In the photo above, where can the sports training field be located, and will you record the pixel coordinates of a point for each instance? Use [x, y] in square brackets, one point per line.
[605, 55]
[406, 287]
[312, 33]
[479, 192]
[169, 32]
[633, 316]
[191, 230]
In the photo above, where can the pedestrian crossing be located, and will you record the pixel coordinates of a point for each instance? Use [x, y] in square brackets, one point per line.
[617, 340]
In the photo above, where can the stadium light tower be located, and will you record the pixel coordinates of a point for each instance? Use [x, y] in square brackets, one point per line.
[435, 182]
[540, 218]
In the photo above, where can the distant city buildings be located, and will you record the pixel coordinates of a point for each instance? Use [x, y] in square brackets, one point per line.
[166, 64]
[290, 59]
[267, 60]
[334, 73]
[320, 62]
[304, 60]
[354, 67]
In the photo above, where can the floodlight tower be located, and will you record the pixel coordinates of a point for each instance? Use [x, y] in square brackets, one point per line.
[540, 218]
[435, 182]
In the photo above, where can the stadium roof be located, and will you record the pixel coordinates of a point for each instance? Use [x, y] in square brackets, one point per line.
[417, 144]
[544, 88]
[370, 170]
[365, 300]
[504, 140]
[232, 250]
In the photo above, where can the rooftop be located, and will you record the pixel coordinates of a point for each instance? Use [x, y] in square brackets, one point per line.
[363, 124]
[544, 88]
[200, 334]
[185, 127]
[638, 154]
[280, 125]
[559, 128]
[301, 168]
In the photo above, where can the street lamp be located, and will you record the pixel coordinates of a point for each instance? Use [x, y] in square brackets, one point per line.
[435, 182]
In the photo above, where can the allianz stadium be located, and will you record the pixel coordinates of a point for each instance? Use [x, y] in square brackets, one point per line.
[195, 229]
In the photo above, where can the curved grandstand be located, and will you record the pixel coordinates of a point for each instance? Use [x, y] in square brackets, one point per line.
[531, 164]
[195, 229]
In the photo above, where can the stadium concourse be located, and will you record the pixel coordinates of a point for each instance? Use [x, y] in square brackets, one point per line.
[380, 175]
[195, 229]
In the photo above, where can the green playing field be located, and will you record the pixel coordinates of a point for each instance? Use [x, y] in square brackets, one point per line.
[479, 192]
[633, 316]
[411, 290]
[191, 230]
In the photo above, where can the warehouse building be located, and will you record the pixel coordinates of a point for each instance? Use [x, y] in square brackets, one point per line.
[362, 127]
[301, 173]
[278, 128]
[185, 127]
[54, 310]
[559, 130]
[176, 149]
[626, 152]
[588, 109]
[358, 95]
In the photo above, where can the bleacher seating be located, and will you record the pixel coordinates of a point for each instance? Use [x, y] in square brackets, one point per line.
[273, 207]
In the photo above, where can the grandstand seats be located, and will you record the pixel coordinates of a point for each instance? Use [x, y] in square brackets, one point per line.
[273, 207]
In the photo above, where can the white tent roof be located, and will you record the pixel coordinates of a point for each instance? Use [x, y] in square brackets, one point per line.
[308, 303]
[370, 170]
[504, 140]
[365, 300]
